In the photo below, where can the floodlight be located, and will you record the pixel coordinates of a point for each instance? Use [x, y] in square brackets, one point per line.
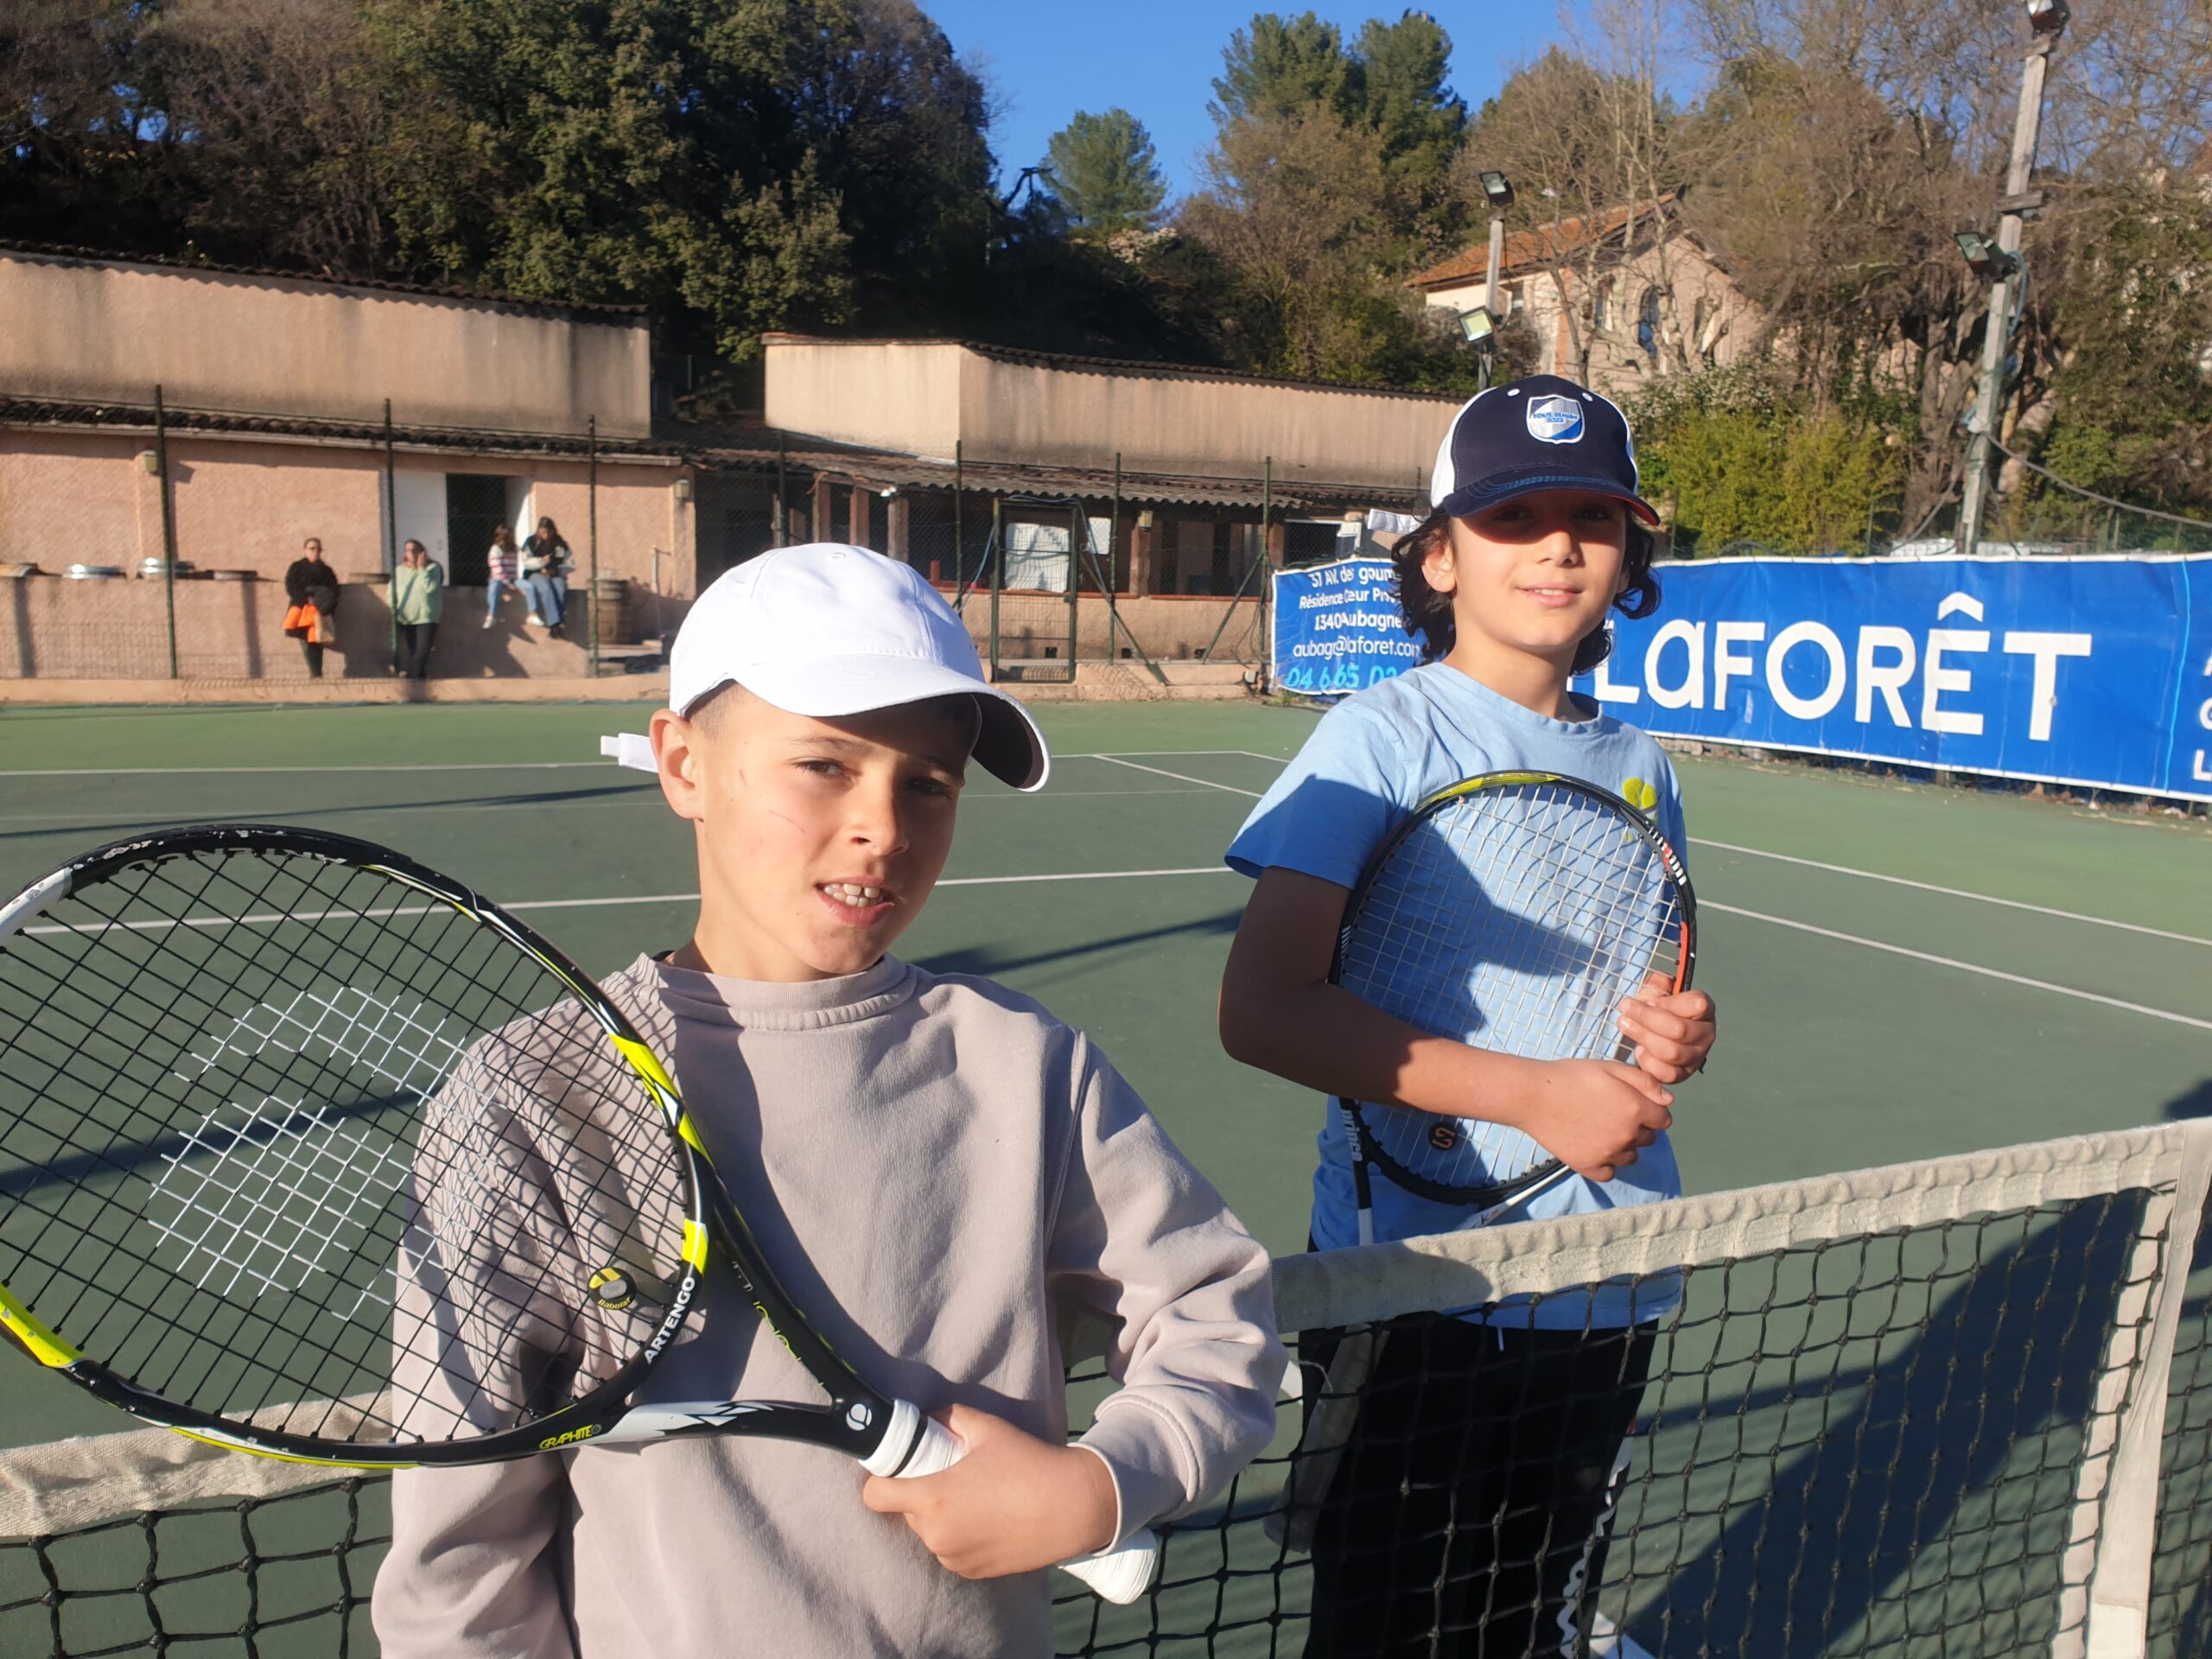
[1988, 261]
[1496, 187]
[1478, 327]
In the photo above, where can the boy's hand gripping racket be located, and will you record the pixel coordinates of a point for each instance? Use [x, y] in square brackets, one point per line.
[308, 1151]
[1513, 911]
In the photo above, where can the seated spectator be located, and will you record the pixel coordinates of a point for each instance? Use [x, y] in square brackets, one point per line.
[546, 561]
[501, 561]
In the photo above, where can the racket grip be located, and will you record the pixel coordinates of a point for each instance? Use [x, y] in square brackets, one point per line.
[1119, 1574]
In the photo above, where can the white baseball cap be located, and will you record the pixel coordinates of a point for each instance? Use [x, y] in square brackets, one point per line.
[825, 629]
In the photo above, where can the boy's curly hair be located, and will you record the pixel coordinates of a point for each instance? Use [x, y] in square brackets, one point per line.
[1427, 614]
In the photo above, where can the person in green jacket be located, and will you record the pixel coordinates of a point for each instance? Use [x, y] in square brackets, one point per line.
[418, 597]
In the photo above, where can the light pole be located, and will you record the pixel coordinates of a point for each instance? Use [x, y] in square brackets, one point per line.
[1500, 197]
[1479, 329]
[2046, 18]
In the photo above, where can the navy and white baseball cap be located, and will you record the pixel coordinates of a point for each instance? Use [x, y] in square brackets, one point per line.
[827, 629]
[1543, 433]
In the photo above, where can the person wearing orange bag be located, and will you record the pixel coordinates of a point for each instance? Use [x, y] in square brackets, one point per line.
[311, 588]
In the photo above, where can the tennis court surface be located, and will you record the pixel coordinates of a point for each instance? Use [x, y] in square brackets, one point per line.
[1888, 1417]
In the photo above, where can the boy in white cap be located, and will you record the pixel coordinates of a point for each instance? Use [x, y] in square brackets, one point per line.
[938, 1168]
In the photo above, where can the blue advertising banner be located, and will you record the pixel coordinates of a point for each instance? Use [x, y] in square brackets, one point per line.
[2090, 672]
[1334, 629]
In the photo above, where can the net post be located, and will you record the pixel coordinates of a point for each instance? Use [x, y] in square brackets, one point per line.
[169, 523]
[959, 535]
[1267, 570]
[996, 554]
[591, 540]
[1113, 542]
[392, 538]
[2112, 1536]
[776, 533]
[1078, 528]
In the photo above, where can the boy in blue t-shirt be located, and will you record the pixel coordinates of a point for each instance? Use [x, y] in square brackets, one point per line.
[1469, 1510]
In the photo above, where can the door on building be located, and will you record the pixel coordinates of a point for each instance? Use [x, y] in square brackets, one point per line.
[476, 504]
[734, 520]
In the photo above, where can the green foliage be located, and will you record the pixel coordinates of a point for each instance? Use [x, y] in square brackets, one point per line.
[1281, 66]
[784, 163]
[1403, 99]
[1735, 454]
[1105, 174]
[2133, 393]
[1329, 183]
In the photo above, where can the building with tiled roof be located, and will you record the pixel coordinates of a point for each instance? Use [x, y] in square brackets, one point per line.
[1662, 302]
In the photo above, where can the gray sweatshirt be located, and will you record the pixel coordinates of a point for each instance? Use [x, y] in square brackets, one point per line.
[941, 1174]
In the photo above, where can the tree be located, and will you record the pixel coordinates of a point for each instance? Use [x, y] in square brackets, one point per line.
[1328, 182]
[86, 156]
[2131, 398]
[1105, 175]
[1281, 66]
[1404, 101]
[787, 164]
[1296, 209]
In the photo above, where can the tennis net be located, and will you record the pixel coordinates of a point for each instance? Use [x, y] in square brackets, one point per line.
[1956, 1408]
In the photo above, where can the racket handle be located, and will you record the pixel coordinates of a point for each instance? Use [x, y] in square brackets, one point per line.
[1119, 1574]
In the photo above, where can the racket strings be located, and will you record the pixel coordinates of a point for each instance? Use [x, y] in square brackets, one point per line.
[1515, 918]
[112, 914]
[220, 1110]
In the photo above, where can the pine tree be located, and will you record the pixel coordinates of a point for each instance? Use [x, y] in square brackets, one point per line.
[1104, 174]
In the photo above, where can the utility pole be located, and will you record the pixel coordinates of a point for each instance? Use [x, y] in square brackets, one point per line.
[2013, 207]
[1496, 258]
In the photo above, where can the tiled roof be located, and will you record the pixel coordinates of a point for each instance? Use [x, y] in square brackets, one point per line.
[16, 409]
[741, 446]
[1535, 248]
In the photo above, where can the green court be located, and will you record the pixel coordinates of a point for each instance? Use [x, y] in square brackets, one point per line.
[1903, 970]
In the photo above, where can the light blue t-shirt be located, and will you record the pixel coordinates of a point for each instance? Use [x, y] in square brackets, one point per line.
[1371, 761]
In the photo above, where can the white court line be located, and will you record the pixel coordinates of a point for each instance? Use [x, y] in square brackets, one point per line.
[1952, 892]
[231, 771]
[1179, 777]
[1897, 880]
[601, 765]
[268, 918]
[1963, 967]
[645, 786]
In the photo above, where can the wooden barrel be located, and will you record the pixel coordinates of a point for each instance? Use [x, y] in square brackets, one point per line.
[610, 598]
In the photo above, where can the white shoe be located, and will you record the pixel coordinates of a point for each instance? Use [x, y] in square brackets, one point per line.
[488, 622]
[535, 620]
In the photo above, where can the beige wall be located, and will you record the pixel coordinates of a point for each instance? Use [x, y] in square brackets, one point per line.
[897, 395]
[89, 330]
[916, 398]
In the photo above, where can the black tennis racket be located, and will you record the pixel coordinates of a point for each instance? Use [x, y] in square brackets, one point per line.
[1513, 911]
[308, 1151]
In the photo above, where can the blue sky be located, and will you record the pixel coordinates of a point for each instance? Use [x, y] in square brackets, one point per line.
[1157, 59]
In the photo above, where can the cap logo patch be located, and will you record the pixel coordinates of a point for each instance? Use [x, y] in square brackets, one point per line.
[1554, 419]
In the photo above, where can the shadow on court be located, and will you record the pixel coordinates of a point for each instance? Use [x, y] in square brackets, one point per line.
[1933, 1485]
[990, 963]
[2192, 1103]
[84, 836]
